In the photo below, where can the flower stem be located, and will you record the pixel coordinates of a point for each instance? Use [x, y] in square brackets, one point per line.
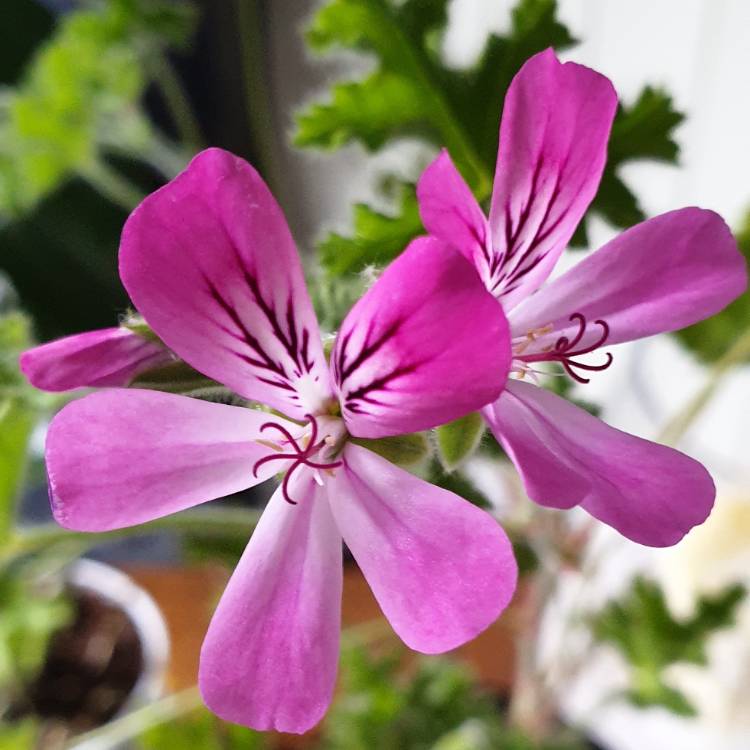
[165, 76]
[112, 185]
[135, 723]
[738, 352]
[227, 523]
[257, 93]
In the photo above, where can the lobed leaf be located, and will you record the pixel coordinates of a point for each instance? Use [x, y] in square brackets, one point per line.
[712, 338]
[643, 630]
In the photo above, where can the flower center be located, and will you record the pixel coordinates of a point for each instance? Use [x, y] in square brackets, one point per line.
[564, 350]
[301, 453]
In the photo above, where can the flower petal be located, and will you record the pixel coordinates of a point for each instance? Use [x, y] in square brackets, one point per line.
[106, 357]
[553, 146]
[451, 213]
[660, 275]
[650, 493]
[441, 569]
[416, 350]
[209, 262]
[270, 656]
[118, 458]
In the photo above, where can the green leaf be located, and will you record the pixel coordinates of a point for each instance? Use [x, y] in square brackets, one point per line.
[378, 238]
[18, 736]
[82, 90]
[643, 630]
[18, 413]
[459, 439]
[403, 450]
[644, 130]
[373, 111]
[30, 613]
[711, 338]
[201, 730]
[412, 92]
[16, 423]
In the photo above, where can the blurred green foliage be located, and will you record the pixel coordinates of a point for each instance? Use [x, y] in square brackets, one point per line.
[711, 338]
[31, 610]
[81, 96]
[19, 736]
[201, 730]
[435, 704]
[412, 92]
[19, 407]
[643, 630]
[78, 149]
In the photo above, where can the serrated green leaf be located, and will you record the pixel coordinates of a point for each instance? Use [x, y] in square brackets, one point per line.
[402, 450]
[459, 439]
[378, 238]
[643, 630]
[711, 338]
[372, 111]
[413, 92]
[644, 130]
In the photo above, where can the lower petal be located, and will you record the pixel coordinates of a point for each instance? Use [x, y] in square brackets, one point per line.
[118, 458]
[650, 493]
[270, 655]
[441, 569]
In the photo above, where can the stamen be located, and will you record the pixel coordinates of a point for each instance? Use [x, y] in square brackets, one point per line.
[300, 456]
[564, 350]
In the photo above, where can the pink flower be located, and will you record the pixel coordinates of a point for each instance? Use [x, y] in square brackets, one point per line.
[107, 357]
[210, 263]
[661, 275]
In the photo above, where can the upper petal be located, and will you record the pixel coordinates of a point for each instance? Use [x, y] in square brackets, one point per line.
[441, 569]
[425, 345]
[270, 655]
[660, 275]
[210, 263]
[553, 146]
[118, 458]
[650, 493]
[451, 213]
[106, 357]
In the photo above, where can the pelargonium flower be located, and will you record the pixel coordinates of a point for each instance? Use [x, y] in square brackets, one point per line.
[209, 262]
[106, 357]
[660, 275]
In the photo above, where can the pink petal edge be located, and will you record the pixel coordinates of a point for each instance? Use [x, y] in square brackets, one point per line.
[270, 657]
[426, 344]
[118, 458]
[210, 263]
[650, 493]
[441, 569]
